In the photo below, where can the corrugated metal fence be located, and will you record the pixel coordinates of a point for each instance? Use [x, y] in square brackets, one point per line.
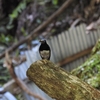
[63, 45]
[71, 42]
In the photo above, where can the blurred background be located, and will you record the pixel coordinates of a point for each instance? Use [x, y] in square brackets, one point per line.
[70, 28]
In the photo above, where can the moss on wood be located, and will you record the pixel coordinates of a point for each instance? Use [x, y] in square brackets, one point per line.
[90, 70]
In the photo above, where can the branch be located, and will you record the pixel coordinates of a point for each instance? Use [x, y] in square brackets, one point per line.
[35, 33]
[59, 84]
[19, 81]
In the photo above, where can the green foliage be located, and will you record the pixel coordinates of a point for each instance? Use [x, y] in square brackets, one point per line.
[16, 12]
[55, 2]
[96, 48]
[19, 97]
[23, 31]
[4, 74]
[94, 81]
[42, 2]
[90, 70]
[6, 39]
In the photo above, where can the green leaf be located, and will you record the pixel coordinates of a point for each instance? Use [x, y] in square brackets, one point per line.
[38, 21]
[17, 10]
[9, 26]
[23, 31]
[55, 2]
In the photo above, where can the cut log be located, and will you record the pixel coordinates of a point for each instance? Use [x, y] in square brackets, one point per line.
[59, 84]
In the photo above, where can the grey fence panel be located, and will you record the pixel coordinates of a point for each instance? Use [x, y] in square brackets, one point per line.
[80, 38]
[21, 70]
[68, 50]
[56, 48]
[64, 44]
[50, 43]
[61, 46]
[71, 42]
[82, 32]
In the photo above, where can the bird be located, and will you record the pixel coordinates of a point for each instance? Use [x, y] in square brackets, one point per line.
[44, 50]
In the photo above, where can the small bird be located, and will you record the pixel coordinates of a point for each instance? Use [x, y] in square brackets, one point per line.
[44, 50]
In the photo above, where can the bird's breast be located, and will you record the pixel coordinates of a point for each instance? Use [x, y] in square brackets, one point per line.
[45, 54]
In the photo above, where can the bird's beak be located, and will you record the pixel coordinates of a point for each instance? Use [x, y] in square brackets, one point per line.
[42, 41]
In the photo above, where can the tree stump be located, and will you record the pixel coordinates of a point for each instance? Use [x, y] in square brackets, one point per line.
[59, 84]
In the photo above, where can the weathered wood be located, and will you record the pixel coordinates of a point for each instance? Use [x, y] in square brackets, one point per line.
[59, 84]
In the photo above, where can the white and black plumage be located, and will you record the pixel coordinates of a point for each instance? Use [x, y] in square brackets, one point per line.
[44, 50]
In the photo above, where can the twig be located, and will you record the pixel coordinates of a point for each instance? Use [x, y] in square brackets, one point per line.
[35, 32]
[19, 81]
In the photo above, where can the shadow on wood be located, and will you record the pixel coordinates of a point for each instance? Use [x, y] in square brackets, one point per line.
[59, 84]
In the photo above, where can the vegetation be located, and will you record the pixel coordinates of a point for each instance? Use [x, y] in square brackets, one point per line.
[20, 18]
[90, 70]
[4, 74]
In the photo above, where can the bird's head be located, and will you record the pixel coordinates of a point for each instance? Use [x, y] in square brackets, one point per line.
[43, 41]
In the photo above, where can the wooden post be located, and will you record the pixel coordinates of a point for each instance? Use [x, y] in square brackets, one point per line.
[59, 84]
